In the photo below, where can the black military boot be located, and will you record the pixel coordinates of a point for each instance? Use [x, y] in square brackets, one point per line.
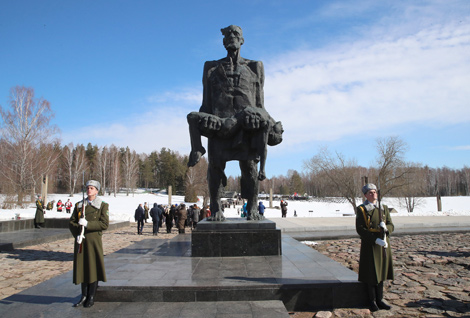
[84, 295]
[372, 304]
[379, 292]
[91, 294]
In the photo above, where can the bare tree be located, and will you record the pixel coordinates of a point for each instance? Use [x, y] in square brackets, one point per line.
[67, 161]
[48, 156]
[130, 169]
[340, 173]
[196, 182]
[114, 169]
[466, 179]
[79, 166]
[414, 188]
[103, 163]
[24, 128]
[392, 169]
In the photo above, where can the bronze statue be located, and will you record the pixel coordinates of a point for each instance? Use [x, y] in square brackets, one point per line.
[234, 120]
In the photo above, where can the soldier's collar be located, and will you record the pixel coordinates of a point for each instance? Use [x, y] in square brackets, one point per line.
[369, 206]
[96, 203]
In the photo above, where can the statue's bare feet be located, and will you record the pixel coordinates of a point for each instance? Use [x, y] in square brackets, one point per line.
[195, 156]
[218, 216]
[255, 216]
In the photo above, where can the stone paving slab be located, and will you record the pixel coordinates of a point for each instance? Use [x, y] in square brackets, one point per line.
[61, 308]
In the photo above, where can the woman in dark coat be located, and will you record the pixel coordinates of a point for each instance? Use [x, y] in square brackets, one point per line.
[39, 217]
[375, 264]
[169, 216]
[88, 258]
[182, 214]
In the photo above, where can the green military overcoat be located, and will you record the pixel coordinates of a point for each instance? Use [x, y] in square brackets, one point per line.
[88, 266]
[146, 211]
[39, 217]
[373, 267]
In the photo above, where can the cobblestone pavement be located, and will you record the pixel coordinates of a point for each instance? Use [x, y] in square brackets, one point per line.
[432, 276]
[25, 267]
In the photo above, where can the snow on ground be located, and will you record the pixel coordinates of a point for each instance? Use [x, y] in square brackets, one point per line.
[122, 207]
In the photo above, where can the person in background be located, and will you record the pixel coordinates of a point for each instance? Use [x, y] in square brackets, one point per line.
[261, 208]
[205, 213]
[284, 208]
[146, 209]
[170, 215]
[139, 217]
[162, 216]
[68, 206]
[59, 206]
[39, 217]
[156, 215]
[375, 262]
[196, 212]
[88, 257]
[189, 219]
[182, 214]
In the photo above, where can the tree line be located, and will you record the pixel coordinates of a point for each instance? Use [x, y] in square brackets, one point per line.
[29, 152]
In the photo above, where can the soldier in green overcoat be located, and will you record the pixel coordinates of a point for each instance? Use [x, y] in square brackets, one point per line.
[88, 258]
[39, 217]
[375, 264]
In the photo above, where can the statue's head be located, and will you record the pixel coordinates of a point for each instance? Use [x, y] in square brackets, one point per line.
[233, 37]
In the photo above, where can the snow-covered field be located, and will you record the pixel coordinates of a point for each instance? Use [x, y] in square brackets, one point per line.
[122, 207]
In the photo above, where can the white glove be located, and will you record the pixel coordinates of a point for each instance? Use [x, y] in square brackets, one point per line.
[382, 225]
[83, 222]
[80, 239]
[381, 242]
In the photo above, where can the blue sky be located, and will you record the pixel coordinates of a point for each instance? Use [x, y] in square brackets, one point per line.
[338, 73]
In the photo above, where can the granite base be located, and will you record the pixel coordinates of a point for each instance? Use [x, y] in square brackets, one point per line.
[235, 237]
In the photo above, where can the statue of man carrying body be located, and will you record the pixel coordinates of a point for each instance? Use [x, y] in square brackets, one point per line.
[234, 120]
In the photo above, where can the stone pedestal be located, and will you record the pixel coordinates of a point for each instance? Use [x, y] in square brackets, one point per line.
[235, 237]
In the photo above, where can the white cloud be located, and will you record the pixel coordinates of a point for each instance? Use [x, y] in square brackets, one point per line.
[329, 93]
[163, 125]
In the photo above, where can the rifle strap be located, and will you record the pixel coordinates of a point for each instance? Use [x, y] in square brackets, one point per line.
[367, 220]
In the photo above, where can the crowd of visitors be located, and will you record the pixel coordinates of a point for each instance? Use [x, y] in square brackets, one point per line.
[175, 215]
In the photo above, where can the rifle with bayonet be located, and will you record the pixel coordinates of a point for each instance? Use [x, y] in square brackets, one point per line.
[383, 232]
[81, 214]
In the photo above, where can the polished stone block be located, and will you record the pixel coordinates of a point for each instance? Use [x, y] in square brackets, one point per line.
[235, 237]
[235, 224]
[302, 278]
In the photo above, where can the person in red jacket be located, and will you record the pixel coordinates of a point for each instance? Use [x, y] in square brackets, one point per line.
[68, 206]
[59, 206]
